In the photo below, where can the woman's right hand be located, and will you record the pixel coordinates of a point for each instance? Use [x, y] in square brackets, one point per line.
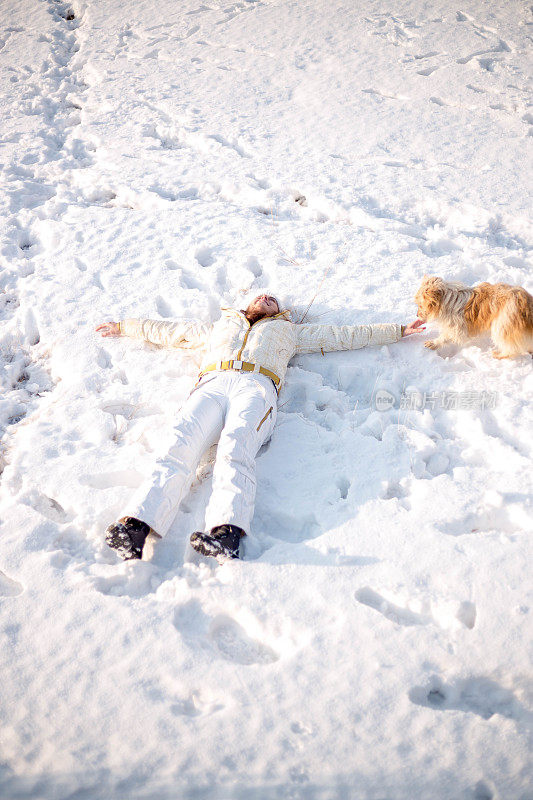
[109, 329]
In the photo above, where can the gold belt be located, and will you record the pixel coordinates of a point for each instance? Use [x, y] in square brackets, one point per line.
[242, 366]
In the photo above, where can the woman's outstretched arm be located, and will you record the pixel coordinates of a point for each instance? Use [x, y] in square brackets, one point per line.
[180, 333]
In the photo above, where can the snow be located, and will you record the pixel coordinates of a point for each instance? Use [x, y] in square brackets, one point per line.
[163, 160]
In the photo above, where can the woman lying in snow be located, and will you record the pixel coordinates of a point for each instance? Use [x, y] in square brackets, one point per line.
[234, 403]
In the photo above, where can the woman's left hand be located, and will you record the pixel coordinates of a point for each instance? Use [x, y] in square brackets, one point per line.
[414, 327]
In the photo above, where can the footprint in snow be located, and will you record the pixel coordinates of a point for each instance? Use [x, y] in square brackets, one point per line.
[9, 587]
[427, 71]
[261, 182]
[394, 490]
[190, 282]
[229, 638]
[231, 145]
[80, 264]
[482, 791]
[31, 328]
[343, 485]
[204, 256]
[466, 613]
[234, 644]
[475, 695]
[133, 580]
[195, 706]
[46, 506]
[254, 266]
[103, 358]
[163, 308]
[444, 617]
[26, 241]
[105, 480]
[392, 612]
[423, 56]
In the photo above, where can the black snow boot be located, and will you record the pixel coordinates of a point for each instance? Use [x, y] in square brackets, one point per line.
[127, 537]
[222, 542]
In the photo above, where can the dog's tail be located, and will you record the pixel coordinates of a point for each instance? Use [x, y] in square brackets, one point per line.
[513, 330]
[526, 302]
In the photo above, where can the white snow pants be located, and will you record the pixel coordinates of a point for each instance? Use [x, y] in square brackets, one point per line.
[237, 409]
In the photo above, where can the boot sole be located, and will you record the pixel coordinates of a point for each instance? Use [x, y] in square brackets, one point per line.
[207, 546]
[121, 543]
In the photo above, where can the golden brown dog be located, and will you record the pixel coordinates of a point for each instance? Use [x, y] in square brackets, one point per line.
[465, 311]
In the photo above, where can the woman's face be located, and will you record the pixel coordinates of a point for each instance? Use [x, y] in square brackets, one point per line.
[264, 305]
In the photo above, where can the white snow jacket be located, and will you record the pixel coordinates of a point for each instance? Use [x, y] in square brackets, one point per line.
[266, 346]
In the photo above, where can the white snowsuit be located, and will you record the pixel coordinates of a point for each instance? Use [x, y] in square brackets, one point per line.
[233, 403]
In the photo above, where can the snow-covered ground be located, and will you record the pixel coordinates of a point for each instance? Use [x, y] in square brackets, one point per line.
[161, 159]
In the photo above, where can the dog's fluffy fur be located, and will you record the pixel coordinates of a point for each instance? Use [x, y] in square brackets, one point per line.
[463, 312]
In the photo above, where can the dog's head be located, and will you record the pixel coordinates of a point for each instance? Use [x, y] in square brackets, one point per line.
[429, 297]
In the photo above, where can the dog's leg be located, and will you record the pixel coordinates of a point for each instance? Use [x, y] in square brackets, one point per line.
[509, 334]
[434, 344]
[515, 354]
[509, 345]
[446, 337]
[453, 331]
